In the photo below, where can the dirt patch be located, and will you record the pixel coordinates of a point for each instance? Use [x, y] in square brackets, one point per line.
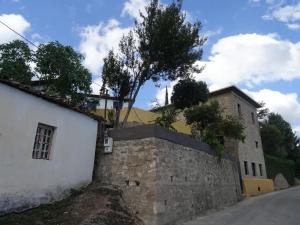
[94, 205]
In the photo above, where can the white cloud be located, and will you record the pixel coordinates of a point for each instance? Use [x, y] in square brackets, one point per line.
[134, 7]
[293, 26]
[297, 130]
[96, 85]
[161, 94]
[287, 105]
[287, 14]
[211, 33]
[251, 59]
[15, 21]
[97, 40]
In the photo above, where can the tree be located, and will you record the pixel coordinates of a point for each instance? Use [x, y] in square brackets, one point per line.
[188, 92]
[271, 139]
[167, 118]
[15, 59]
[117, 78]
[61, 66]
[262, 112]
[289, 142]
[163, 45]
[213, 126]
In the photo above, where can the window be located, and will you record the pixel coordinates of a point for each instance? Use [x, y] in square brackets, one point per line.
[42, 142]
[253, 169]
[239, 110]
[260, 169]
[256, 144]
[253, 118]
[246, 167]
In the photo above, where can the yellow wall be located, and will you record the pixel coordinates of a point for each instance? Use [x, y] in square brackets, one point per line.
[252, 186]
[145, 117]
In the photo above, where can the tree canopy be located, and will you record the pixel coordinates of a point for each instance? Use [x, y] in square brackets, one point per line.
[213, 126]
[188, 92]
[58, 64]
[162, 46]
[278, 137]
[61, 66]
[15, 59]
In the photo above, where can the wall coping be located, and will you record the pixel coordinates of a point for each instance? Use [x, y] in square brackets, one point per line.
[152, 130]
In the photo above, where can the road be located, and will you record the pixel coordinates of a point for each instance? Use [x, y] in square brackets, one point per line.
[277, 208]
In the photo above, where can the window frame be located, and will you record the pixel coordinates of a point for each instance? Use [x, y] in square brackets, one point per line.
[43, 141]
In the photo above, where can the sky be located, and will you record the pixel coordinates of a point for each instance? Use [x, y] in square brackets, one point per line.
[253, 44]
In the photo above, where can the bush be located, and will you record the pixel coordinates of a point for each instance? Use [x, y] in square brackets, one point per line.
[275, 165]
[298, 169]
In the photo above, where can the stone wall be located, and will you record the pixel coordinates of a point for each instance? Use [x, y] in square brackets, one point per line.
[167, 176]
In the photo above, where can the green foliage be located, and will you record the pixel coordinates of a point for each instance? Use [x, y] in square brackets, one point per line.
[15, 58]
[213, 126]
[206, 116]
[61, 65]
[262, 112]
[163, 45]
[117, 78]
[278, 137]
[297, 165]
[271, 139]
[168, 116]
[211, 139]
[275, 165]
[111, 115]
[188, 92]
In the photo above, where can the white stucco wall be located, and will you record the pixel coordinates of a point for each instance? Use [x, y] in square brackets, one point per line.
[110, 104]
[27, 182]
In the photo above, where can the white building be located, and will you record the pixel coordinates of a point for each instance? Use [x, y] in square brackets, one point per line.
[94, 101]
[46, 148]
[111, 102]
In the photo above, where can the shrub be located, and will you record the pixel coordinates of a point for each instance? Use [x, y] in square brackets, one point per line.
[275, 165]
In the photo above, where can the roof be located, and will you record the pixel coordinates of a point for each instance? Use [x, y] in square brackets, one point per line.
[108, 97]
[35, 83]
[236, 91]
[53, 99]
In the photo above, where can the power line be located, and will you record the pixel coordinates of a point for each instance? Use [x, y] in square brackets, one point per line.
[30, 42]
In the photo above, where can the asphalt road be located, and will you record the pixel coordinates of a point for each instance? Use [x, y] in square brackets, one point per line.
[277, 208]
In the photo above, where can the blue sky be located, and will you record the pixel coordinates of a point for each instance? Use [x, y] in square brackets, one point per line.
[253, 44]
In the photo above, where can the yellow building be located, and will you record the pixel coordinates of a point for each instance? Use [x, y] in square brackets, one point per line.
[140, 116]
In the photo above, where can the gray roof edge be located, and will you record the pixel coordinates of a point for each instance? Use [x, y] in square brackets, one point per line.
[149, 131]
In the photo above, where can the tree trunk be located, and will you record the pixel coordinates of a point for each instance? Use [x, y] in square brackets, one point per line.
[132, 101]
[118, 112]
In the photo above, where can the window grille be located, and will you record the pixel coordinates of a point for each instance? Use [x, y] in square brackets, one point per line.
[42, 142]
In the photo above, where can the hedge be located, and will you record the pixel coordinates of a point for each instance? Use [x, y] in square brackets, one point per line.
[275, 165]
[298, 169]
